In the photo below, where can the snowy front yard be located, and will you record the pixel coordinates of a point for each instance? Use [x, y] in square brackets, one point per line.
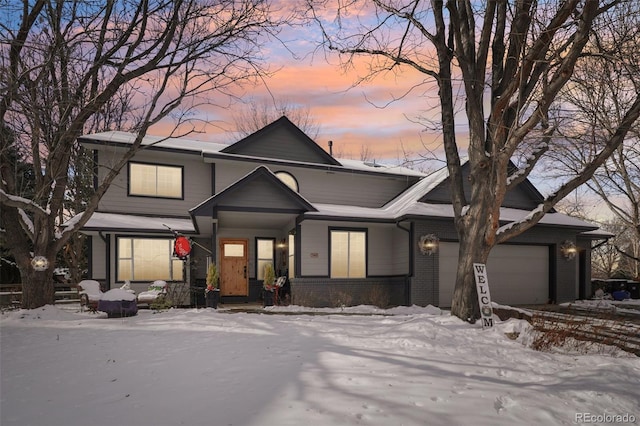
[414, 366]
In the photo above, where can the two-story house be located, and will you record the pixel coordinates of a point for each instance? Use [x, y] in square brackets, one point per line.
[344, 231]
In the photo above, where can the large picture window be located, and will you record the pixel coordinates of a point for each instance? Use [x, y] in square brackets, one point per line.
[147, 259]
[348, 253]
[265, 254]
[154, 180]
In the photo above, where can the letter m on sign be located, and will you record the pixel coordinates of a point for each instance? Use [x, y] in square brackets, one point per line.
[484, 296]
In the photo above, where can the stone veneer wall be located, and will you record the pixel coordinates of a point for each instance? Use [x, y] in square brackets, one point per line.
[326, 292]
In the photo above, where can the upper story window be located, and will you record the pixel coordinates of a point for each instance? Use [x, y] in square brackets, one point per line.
[155, 180]
[288, 180]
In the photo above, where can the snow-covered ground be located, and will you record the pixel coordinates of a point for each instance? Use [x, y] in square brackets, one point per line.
[404, 366]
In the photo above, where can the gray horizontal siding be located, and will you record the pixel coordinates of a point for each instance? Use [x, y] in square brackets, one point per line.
[281, 143]
[320, 186]
[197, 185]
[314, 249]
[259, 193]
[387, 248]
[518, 197]
[98, 258]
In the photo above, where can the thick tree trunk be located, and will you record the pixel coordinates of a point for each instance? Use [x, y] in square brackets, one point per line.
[465, 297]
[37, 286]
[476, 231]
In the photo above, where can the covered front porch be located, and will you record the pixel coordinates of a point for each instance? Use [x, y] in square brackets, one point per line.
[249, 224]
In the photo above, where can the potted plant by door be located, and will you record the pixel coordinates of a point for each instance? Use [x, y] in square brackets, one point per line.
[212, 292]
[268, 284]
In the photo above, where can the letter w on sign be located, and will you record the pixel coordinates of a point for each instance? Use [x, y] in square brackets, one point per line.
[484, 297]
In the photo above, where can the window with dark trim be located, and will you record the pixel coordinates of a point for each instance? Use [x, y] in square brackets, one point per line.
[288, 179]
[147, 259]
[265, 254]
[156, 180]
[348, 251]
[291, 252]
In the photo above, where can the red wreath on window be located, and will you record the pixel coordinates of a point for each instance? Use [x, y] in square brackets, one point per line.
[181, 248]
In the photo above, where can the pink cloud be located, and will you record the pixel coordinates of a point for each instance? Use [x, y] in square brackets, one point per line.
[350, 116]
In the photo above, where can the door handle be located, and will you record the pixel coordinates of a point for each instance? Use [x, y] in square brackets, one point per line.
[245, 271]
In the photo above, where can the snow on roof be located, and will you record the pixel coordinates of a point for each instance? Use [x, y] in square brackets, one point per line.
[417, 191]
[377, 167]
[405, 204]
[212, 148]
[107, 221]
[402, 210]
[157, 141]
[598, 234]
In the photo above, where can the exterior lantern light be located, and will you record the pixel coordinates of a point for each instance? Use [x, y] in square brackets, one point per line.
[568, 250]
[39, 263]
[428, 244]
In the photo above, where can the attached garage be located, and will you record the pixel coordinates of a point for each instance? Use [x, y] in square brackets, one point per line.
[518, 274]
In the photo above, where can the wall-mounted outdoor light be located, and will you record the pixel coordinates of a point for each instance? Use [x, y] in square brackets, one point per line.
[428, 244]
[39, 263]
[568, 250]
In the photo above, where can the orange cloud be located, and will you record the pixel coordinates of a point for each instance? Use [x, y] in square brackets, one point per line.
[380, 114]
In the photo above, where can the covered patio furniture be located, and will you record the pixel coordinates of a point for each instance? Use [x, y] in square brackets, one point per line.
[118, 303]
[156, 292]
[90, 293]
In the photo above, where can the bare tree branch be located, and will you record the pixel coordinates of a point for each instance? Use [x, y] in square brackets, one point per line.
[124, 64]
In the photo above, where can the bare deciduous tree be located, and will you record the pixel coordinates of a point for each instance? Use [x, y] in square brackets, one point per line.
[63, 63]
[518, 55]
[601, 92]
[259, 114]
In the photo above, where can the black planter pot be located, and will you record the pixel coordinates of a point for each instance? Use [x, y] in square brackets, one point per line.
[212, 298]
[267, 298]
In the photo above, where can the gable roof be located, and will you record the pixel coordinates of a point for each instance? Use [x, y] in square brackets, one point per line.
[411, 204]
[523, 196]
[212, 151]
[260, 190]
[282, 140]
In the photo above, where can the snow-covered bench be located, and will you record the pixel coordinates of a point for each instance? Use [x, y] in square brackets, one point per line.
[157, 290]
[90, 294]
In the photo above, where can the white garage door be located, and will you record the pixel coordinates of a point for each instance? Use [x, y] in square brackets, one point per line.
[518, 275]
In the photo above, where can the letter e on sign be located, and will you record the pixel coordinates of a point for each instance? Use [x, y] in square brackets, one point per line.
[484, 297]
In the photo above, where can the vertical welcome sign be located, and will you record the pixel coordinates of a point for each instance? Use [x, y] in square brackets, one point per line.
[484, 297]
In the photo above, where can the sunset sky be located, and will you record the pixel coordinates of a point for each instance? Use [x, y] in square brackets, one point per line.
[352, 117]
